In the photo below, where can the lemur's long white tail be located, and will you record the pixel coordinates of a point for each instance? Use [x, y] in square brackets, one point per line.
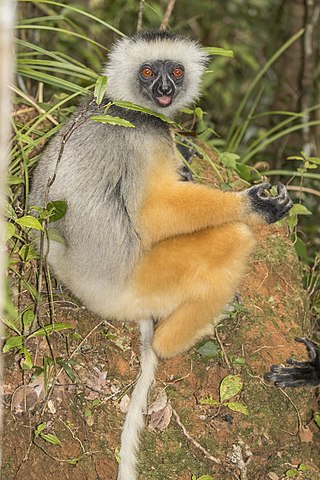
[134, 421]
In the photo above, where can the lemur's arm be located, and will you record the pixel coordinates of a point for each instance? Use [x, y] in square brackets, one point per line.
[301, 373]
[175, 208]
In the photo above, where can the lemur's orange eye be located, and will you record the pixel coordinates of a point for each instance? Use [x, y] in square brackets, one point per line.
[146, 72]
[178, 72]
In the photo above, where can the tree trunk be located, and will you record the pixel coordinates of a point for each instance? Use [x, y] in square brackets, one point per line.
[6, 50]
[297, 88]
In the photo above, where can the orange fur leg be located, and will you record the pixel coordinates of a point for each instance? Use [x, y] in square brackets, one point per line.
[187, 281]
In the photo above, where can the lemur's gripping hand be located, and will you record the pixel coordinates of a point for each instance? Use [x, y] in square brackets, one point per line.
[270, 208]
[302, 373]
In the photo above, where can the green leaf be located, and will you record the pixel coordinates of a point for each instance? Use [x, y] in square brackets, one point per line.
[87, 412]
[10, 232]
[100, 88]
[291, 473]
[300, 248]
[29, 222]
[238, 361]
[209, 401]
[244, 171]
[316, 418]
[137, 108]
[67, 369]
[112, 120]
[219, 51]
[230, 386]
[237, 407]
[292, 221]
[40, 428]
[303, 467]
[205, 477]
[58, 209]
[198, 113]
[55, 235]
[27, 253]
[14, 322]
[27, 318]
[49, 438]
[310, 166]
[209, 349]
[42, 332]
[13, 342]
[27, 362]
[117, 454]
[315, 160]
[229, 159]
[298, 209]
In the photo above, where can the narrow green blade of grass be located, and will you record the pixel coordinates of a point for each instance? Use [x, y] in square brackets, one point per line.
[273, 138]
[56, 70]
[241, 130]
[270, 113]
[51, 64]
[219, 51]
[60, 30]
[253, 84]
[77, 10]
[51, 80]
[37, 48]
[47, 18]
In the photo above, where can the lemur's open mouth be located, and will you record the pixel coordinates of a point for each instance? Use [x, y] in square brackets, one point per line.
[164, 100]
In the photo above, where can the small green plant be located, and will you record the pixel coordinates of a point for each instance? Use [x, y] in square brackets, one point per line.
[316, 418]
[208, 349]
[230, 386]
[203, 477]
[47, 437]
[294, 472]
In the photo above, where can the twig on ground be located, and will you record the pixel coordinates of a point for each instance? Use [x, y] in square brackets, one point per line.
[237, 458]
[295, 407]
[193, 441]
[226, 359]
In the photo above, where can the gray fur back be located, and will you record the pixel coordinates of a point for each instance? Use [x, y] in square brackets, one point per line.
[101, 176]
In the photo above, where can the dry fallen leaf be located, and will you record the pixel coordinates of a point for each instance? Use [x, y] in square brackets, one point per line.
[160, 420]
[26, 397]
[305, 434]
[96, 384]
[51, 407]
[273, 476]
[124, 403]
[160, 402]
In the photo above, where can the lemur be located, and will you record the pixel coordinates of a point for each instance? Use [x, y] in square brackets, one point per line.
[140, 244]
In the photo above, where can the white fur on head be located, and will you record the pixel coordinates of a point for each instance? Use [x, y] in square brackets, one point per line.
[128, 54]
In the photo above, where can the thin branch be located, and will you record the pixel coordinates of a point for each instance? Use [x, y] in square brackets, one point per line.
[226, 359]
[33, 103]
[303, 189]
[167, 15]
[193, 441]
[140, 16]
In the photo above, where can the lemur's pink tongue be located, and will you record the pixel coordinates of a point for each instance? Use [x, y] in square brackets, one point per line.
[164, 100]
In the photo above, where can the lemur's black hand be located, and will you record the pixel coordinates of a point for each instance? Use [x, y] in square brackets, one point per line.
[270, 208]
[302, 373]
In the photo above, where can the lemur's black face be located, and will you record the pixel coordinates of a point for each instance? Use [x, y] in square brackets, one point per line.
[161, 81]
